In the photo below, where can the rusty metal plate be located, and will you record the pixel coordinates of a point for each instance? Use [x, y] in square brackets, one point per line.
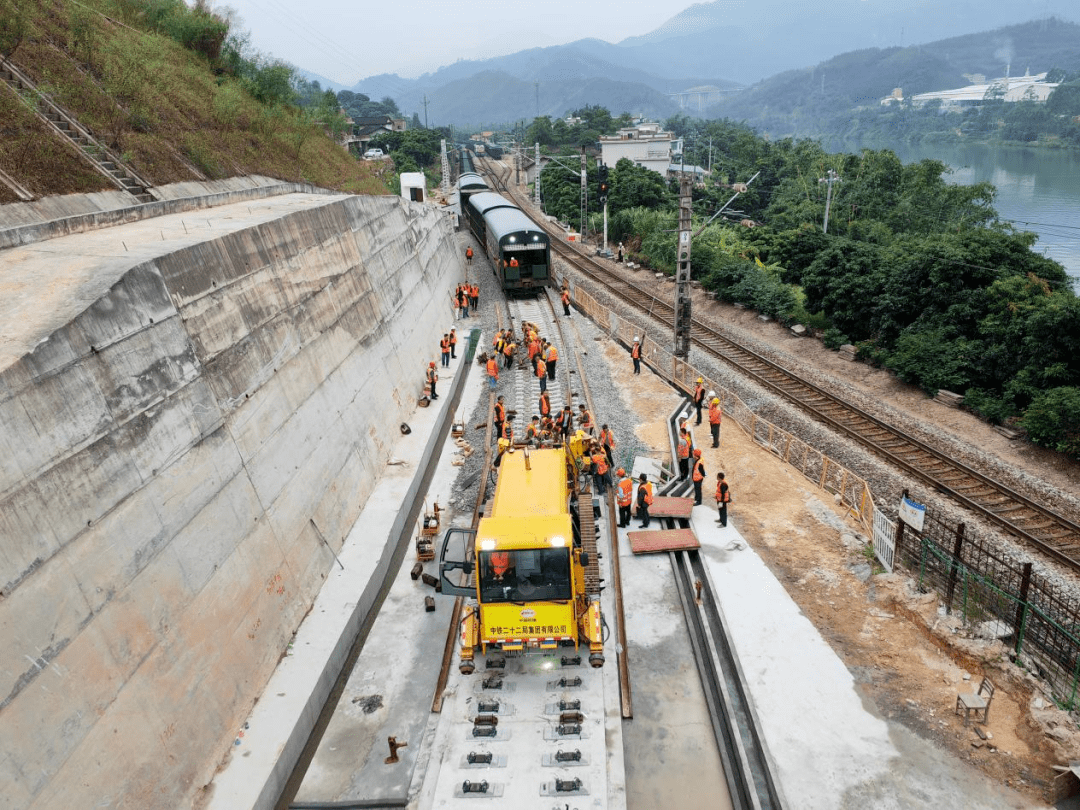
[671, 507]
[648, 542]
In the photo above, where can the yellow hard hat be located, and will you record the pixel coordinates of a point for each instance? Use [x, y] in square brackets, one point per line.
[701, 379]
[715, 401]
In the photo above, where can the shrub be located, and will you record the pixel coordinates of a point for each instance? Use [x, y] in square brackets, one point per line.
[993, 408]
[833, 338]
[1053, 420]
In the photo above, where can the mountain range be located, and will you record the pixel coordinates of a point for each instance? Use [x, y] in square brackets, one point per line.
[727, 43]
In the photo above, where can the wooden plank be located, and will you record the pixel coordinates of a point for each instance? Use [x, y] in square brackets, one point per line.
[650, 541]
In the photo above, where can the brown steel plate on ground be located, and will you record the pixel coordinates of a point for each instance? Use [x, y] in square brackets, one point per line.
[647, 542]
[671, 507]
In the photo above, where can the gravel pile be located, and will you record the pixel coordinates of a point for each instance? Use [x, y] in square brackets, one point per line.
[885, 482]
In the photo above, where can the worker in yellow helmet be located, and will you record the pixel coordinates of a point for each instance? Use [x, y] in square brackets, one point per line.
[699, 397]
[715, 417]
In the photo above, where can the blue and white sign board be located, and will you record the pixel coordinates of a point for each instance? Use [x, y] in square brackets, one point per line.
[912, 513]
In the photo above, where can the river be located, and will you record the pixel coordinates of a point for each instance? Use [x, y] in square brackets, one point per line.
[1037, 189]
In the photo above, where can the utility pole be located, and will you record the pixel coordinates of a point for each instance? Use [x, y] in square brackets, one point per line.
[584, 196]
[536, 189]
[537, 84]
[425, 111]
[829, 180]
[682, 271]
[445, 168]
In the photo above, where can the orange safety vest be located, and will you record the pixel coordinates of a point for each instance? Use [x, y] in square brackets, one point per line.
[534, 348]
[699, 470]
[626, 492]
[715, 415]
[699, 393]
[513, 261]
[492, 368]
[585, 420]
[500, 562]
[500, 411]
[509, 349]
[453, 339]
[468, 253]
[475, 291]
[560, 420]
[545, 404]
[541, 368]
[600, 460]
[531, 432]
[566, 296]
[647, 486]
[607, 438]
[432, 376]
[552, 354]
[636, 351]
[684, 448]
[508, 431]
[444, 345]
[722, 494]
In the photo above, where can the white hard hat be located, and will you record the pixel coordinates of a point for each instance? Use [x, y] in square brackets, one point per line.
[636, 340]
[712, 394]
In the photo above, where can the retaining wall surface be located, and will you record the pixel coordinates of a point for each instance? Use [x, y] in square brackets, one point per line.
[173, 464]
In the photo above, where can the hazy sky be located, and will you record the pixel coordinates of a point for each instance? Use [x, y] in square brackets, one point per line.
[347, 41]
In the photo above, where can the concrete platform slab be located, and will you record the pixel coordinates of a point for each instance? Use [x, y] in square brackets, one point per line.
[665, 506]
[651, 542]
[829, 748]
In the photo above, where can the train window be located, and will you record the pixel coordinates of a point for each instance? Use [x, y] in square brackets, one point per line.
[525, 575]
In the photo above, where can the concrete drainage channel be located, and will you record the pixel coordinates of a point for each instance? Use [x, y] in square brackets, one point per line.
[743, 753]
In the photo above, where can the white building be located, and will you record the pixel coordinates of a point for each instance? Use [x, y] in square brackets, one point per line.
[413, 186]
[645, 144]
[1007, 88]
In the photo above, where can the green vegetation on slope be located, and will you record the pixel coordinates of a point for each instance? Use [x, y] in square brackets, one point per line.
[166, 87]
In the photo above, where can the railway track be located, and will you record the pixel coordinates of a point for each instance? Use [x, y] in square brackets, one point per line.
[1013, 512]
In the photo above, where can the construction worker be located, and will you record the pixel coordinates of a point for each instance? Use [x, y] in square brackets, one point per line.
[468, 256]
[532, 432]
[563, 422]
[585, 421]
[453, 345]
[551, 357]
[534, 348]
[493, 372]
[514, 261]
[723, 498]
[463, 301]
[545, 404]
[635, 354]
[508, 353]
[541, 373]
[565, 297]
[644, 500]
[498, 342]
[444, 350]
[503, 448]
[624, 496]
[508, 429]
[474, 294]
[500, 415]
[698, 476]
[432, 378]
[699, 397]
[715, 417]
[607, 441]
[600, 470]
[683, 452]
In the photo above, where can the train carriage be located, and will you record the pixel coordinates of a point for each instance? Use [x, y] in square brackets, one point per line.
[518, 248]
[470, 183]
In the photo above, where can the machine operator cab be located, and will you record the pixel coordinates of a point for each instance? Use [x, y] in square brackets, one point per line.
[521, 570]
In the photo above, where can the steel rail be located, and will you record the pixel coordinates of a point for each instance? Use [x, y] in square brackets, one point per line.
[1017, 514]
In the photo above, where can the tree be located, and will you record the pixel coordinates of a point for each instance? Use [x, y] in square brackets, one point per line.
[1053, 420]
[634, 186]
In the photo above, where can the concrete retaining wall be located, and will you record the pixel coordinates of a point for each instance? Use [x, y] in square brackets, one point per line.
[165, 495]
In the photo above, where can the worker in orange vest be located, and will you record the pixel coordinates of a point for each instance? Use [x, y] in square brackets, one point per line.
[500, 414]
[493, 372]
[545, 404]
[683, 452]
[432, 378]
[468, 255]
[600, 470]
[563, 421]
[474, 294]
[585, 421]
[699, 397]
[541, 373]
[624, 496]
[723, 498]
[534, 348]
[453, 345]
[715, 417]
[444, 350]
[635, 354]
[644, 500]
[607, 441]
[698, 476]
[551, 357]
[500, 564]
[565, 301]
[532, 432]
[508, 353]
[508, 429]
[514, 261]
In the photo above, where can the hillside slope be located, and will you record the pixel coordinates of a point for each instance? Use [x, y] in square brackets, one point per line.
[156, 104]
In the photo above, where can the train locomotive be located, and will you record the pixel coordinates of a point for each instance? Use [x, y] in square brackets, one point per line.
[523, 569]
[518, 248]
